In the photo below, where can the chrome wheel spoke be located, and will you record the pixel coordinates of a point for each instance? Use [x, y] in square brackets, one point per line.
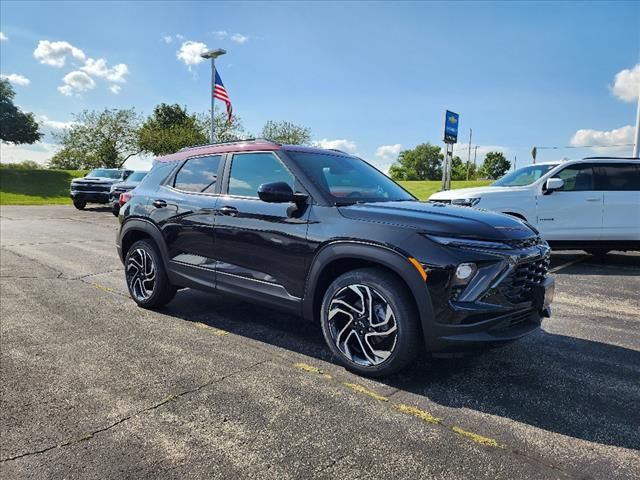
[362, 325]
[141, 274]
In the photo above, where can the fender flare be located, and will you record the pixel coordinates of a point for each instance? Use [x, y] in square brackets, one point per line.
[378, 254]
[147, 227]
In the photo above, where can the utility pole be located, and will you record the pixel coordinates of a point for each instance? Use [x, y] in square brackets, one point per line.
[636, 147]
[475, 154]
[515, 162]
[469, 153]
[213, 54]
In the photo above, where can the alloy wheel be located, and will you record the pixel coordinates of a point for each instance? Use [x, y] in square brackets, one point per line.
[362, 325]
[141, 274]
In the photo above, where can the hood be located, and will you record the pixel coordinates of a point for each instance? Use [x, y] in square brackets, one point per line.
[472, 192]
[96, 180]
[441, 219]
[126, 185]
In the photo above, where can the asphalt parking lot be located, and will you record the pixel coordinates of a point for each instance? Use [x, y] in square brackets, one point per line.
[94, 387]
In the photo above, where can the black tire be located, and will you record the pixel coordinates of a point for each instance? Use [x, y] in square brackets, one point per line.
[386, 292]
[138, 283]
[115, 209]
[598, 252]
[79, 204]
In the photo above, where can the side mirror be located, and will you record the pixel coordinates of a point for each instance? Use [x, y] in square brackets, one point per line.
[553, 184]
[279, 192]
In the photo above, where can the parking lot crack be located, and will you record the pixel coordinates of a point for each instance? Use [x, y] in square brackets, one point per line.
[166, 400]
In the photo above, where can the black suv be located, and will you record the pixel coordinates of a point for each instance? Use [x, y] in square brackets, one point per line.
[325, 235]
[96, 185]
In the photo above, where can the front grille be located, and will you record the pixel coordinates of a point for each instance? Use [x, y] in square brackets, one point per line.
[516, 287]
[90, 187]
[524, 243]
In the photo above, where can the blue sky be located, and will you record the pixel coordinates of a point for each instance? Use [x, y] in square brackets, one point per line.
[361, 75]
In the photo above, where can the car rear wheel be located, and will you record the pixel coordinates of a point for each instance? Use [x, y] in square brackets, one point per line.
[369, 322]
[115, 208]
[79, 204]
[146, 277]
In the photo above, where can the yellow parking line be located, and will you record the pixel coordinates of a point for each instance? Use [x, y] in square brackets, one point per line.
[215, 331]
[408, 409]
[474, 437]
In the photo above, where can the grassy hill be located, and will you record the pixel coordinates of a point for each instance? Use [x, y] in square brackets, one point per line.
[423, 189]
[21, 186]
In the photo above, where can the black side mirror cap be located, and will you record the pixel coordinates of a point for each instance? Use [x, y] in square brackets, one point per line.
[279, 192]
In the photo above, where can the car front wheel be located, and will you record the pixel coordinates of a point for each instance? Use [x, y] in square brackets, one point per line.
[146, 277]
[370, 322]
[79, 204]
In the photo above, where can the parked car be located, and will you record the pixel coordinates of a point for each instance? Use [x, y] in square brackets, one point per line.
[591, 204]
[127, 185]
[324, 234]
[96, 185]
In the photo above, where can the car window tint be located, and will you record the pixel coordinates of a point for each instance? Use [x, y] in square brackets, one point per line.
[576, 178]
[618, 176]
[198, 175]
[250, 170]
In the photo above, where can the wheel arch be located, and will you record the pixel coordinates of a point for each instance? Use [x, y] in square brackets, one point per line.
[337, 258]
[138, 229]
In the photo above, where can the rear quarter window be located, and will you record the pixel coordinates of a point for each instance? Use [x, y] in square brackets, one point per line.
[158, 174]
[618, 177]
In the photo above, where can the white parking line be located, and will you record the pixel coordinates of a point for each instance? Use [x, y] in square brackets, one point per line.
[568, 264]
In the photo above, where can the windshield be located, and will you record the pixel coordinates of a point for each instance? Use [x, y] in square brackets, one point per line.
[136, 176]
[348, 180]
[523, 176]
[104, 173]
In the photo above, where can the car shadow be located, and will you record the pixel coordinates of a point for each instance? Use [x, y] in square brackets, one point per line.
[586, 264]
[580, 388]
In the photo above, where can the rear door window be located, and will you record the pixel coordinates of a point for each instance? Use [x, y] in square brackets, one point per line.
[618, 177]
[198, 175]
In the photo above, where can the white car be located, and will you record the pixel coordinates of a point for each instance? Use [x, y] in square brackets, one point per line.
[591, 204]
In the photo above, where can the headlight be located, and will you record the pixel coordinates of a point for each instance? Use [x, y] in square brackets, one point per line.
[467, 202]
[468, 243]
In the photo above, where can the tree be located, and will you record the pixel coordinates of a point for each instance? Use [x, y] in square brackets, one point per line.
[16, 126]
[99, 139]
[224, 131]
[422, 163]
[169, 129]
[495, 165]
[286, 133]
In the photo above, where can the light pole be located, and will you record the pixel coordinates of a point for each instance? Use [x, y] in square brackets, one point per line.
[636, 148]
[213, 54]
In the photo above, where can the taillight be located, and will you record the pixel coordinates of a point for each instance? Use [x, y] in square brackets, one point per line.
[124, 198]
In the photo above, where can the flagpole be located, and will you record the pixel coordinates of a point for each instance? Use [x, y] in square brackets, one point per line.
[213, 54]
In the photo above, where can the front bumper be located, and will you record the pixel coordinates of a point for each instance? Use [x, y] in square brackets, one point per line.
[92, 197]
[503, 302]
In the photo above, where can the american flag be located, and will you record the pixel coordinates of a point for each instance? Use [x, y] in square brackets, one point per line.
[220, 93]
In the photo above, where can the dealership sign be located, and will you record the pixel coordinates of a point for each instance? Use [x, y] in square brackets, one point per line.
[451, 127]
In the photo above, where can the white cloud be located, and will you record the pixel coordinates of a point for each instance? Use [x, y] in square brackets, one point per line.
[190, 52]
[388, 152]
[99, 68]
[40, 152]
[604, 140]
[167, 39]
[54, 124]
[55, 53]
[220, 34]
[179, 37]
[76, 82]
[626, 84]
[115, 89]
[3, 37]
[239, 38]
[16, 79]
[338, 144]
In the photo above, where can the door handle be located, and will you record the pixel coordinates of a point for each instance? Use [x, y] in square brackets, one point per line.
[593, 199]
[227, 210]
[159, 203]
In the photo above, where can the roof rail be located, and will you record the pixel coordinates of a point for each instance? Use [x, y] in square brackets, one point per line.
[611, 158]
[232, 142]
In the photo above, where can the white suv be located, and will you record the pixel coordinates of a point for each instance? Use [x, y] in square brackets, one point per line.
[591, 204]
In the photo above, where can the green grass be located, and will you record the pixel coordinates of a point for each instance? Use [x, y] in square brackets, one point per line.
[423, 189]
[19, 186]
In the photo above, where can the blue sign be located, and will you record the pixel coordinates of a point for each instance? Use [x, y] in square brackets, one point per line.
[451, 127]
